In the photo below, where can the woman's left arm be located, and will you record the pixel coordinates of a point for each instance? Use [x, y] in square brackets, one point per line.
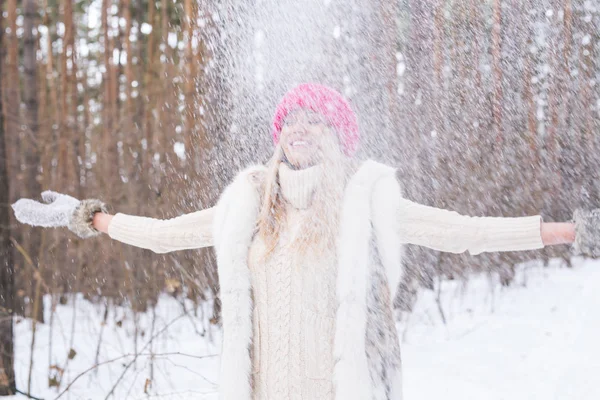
[452, 232]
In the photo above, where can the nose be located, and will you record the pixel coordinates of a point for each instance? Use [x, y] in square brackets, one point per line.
[300, 125]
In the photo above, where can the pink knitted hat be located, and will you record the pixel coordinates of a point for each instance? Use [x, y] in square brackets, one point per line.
[323, 100]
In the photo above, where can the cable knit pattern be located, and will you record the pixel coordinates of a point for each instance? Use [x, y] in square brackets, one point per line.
[295, 304]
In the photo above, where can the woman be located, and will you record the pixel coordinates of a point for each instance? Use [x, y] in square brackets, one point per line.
[309, 255]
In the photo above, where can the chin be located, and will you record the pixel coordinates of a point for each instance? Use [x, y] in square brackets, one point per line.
[302, 163]
[301, 159]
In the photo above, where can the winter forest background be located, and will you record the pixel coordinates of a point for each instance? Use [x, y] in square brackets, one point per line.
[487, 107]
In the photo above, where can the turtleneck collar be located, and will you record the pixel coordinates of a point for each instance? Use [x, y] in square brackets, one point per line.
[298, 186]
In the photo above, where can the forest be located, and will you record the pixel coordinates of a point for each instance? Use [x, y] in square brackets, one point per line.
[486, 107]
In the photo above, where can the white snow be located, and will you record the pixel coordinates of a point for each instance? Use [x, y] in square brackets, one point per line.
[172, 39]
[179, 149]
[146, 28]
[586, 40]
[538, 339]
[337, 31]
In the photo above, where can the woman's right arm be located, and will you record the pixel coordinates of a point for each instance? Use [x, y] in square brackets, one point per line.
[188, 231]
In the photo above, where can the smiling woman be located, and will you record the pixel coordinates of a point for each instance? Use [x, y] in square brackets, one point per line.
[309, 253]
[304, 135]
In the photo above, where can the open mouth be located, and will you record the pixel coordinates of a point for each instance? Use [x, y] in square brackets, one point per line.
[300, 144]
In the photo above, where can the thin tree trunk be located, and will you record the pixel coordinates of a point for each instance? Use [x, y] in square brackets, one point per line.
[497, 68]
[108, 171]
[56, 118]
[68, 176]
[12, 96]
[12, 100]
[7, 372]
[31, 123]
[76, 139]
[189, 74]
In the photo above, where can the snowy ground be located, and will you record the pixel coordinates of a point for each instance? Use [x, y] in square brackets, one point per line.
[539, 339]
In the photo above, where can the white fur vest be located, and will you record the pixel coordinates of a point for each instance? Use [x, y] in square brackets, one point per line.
[366, 347]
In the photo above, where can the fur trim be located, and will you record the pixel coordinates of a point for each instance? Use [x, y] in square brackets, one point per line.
[386, 197]
[382, 342]
[354, 377]
[351, 373]
[233, 230]
[587, 232]
[80, 222]
[383, 345]
[366, 347]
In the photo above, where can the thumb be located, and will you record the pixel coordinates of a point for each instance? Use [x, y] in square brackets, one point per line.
[49, 196]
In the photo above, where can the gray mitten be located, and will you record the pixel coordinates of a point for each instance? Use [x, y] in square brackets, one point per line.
[587, 232]
[60, 210]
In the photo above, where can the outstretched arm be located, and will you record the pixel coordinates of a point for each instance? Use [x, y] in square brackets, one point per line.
[558, 233]
[187, 231]
[452, 232]
[88, 218]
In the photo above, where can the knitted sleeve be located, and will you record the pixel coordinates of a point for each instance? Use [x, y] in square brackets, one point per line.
[188, 231]
[452, 232]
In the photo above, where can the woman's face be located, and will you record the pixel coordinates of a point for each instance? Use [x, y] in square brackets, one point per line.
[306, 137]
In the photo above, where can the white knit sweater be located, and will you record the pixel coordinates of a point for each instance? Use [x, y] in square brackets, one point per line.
[295, 306]
[422, 225]
[294, 297]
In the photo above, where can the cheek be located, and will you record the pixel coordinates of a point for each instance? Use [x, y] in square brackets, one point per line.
[283, 133]
[283, 136]
[329, 142]
[325, 135]
[316, 133]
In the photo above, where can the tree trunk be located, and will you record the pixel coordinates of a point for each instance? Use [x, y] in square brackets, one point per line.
[31, 136]
[497, 69]
[7, 372]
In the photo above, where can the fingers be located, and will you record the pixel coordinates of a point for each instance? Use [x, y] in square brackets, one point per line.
[17, 206]
[22, 205]
[49, 196]
[25, 210]
[34, 213]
